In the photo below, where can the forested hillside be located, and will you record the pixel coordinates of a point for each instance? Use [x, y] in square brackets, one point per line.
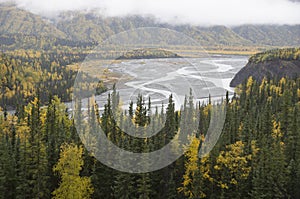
[275, 63]
[257, 156]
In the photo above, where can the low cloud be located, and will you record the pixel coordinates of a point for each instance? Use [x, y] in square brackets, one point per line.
[196, 12]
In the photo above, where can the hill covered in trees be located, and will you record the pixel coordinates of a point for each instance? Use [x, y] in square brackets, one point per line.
[276, 63]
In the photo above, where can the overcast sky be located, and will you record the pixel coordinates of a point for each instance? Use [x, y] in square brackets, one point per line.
[196, 12]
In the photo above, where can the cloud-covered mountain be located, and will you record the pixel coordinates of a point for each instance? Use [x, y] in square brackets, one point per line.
[92, 27]
[194, 12]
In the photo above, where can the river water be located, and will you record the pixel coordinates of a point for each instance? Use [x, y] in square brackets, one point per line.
[158, 78]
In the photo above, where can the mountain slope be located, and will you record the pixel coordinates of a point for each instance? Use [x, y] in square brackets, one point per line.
[273, 64]
[16, 21]
[212, 36]
[272, 35]
[92, 27]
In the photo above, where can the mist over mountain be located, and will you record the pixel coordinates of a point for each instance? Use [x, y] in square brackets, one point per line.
[193, 12]
[92, 27]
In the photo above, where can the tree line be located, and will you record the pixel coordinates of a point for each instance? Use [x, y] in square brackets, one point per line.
[287, 54]
[26, 73]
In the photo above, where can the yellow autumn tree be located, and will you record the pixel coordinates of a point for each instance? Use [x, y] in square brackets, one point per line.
[69, 165]
[236, 164]
[196, 171]
[249, 85]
